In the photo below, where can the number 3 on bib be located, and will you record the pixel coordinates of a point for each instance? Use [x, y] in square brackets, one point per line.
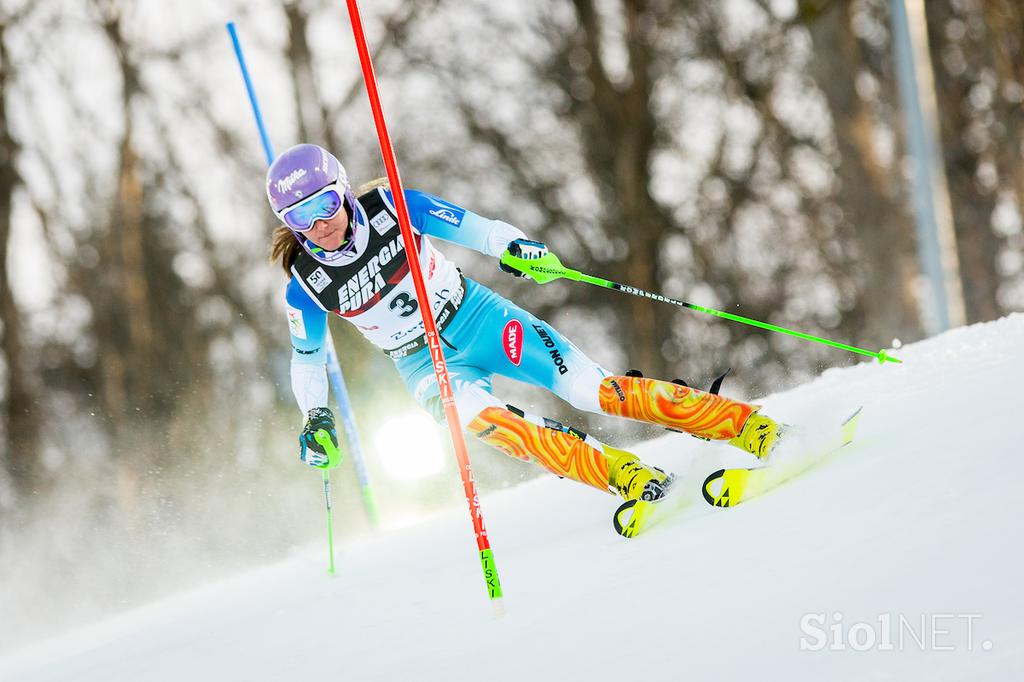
[405, 304]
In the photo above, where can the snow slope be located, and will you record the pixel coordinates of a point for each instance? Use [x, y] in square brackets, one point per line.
[920, 520]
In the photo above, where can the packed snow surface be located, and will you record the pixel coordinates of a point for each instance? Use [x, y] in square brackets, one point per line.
[897, 559]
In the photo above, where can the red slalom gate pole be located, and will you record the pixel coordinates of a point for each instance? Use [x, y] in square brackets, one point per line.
[429, 328]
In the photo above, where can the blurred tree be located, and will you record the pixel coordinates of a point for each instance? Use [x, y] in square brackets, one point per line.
[143, 314]
[978, 52]
[617, 116]
[854, 69]
[684, 147]
[19, 419]
[162, 297]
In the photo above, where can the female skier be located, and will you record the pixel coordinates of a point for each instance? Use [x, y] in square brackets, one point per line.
[345, 255]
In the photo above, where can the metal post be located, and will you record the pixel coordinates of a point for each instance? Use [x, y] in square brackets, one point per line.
[933, 214]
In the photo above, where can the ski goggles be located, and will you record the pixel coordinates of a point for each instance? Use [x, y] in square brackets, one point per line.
[323, 205]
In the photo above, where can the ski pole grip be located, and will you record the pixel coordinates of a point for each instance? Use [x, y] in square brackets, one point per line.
[540, 270]
[333, 452]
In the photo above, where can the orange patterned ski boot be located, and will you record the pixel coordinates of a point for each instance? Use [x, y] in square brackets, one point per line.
[678, 407]
[674, 406]
[567, 452]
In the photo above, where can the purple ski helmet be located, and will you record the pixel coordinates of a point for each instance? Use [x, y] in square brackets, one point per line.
[301, 172]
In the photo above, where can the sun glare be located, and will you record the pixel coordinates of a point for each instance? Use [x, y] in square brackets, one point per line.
[409, 447]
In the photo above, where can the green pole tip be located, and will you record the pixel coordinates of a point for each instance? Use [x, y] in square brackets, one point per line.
[884, 357]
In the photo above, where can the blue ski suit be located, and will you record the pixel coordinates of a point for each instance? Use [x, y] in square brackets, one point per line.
[484, 333]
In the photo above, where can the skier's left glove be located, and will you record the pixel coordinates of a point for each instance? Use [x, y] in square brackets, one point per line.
[319, 440]
[524, 248]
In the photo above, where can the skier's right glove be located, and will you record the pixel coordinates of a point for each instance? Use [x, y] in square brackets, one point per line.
[319, 440]
[524, 248]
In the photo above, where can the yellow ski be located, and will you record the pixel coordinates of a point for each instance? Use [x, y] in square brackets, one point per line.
[729, 487]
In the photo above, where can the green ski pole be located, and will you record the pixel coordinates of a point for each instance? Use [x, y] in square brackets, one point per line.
[330, 522]
[549, 268]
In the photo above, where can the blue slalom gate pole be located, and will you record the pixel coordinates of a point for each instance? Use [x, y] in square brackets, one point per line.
[334, 374]
[349, 420]
[268, 151]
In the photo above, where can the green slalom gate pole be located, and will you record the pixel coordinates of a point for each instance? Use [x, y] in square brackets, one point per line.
[549, 268]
